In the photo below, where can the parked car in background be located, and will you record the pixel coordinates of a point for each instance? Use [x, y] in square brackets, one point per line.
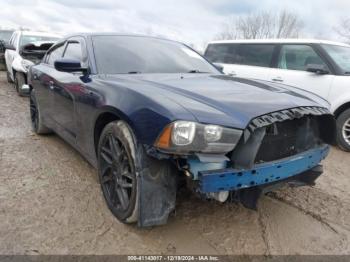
[17, 67]
[321, 67]
[152, 114]
[5, 36]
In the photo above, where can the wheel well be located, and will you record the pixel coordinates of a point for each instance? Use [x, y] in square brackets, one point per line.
[341, 109]
[101, 122]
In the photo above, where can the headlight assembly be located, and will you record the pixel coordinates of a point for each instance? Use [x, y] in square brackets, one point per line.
[187, 137]
[26, 64]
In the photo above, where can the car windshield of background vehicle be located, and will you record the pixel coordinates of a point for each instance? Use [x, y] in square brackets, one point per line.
[340, 55]
[26, 39]
[135, 54]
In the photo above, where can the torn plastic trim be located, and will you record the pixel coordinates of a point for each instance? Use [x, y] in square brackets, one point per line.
[279, 116]
[233, 179]
[157, 184]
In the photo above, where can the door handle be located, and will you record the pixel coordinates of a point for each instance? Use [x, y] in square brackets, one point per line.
[277, 79]
[232, 73]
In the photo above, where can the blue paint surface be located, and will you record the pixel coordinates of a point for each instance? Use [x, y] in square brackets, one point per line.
[233, 179]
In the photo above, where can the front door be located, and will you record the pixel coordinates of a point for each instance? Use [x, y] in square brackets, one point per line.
[68, 89]
[291, 69]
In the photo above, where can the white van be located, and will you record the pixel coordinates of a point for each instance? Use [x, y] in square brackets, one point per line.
[321, 67]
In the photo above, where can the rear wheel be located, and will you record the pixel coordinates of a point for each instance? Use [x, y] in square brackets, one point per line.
[343, 130]
[35, 116]
[116, 167]
[19, 82]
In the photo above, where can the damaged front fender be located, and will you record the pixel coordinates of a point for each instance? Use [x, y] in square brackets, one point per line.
[157, 192]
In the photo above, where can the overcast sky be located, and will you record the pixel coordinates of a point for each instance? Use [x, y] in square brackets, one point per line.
[190, 21]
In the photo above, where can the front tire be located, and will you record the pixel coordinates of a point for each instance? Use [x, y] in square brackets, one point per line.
[343, 130]
[35, 116]
[9, 80]
[117, 170]
[20, 79]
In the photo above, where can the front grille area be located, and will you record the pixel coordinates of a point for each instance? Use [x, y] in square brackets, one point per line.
[283, 134]
[287, 138]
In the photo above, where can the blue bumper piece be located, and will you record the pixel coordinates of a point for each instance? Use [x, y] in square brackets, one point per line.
[233, 179]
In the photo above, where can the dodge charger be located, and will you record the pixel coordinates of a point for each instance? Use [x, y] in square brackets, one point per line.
[153, 116]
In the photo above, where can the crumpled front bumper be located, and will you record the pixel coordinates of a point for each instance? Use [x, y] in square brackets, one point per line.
[261, 174]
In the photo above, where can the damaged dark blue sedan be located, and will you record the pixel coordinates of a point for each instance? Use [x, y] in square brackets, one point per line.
[152, 115]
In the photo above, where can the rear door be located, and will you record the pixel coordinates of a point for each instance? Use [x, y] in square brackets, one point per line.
[243, 60]
[291, 69]
[43, 75]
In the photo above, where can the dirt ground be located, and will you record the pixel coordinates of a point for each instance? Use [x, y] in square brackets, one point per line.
[51, 203]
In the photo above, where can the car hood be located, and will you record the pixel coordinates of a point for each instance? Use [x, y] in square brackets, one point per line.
[221, 99]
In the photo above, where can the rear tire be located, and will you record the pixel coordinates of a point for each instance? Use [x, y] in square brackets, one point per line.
[35, 116]
[343, 130]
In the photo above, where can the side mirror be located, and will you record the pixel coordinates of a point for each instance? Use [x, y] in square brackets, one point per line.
[219, 67]
[317, 69]
[9, 46]
[69, 65]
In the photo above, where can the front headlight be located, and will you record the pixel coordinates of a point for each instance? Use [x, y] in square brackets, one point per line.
[187, 137]
[26, 64]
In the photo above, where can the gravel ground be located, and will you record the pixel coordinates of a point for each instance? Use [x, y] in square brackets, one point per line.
[51, 203]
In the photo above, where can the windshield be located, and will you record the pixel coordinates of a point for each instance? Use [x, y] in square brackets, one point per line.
[136, 54]
[340, 55]
[5, 35]
[26, 39]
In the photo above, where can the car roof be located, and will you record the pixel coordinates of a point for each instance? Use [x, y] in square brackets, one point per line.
[86, 34]
[39, 33]
[278, 41]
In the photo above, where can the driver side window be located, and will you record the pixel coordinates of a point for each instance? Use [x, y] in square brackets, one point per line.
[297, 57]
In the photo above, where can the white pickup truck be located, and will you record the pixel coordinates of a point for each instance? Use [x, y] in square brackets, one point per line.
[321, 67]
[17, 66]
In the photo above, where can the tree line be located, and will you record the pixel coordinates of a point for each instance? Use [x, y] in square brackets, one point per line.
[266, 24]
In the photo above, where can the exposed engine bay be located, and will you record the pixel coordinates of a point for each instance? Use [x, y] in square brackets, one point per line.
[34, 52]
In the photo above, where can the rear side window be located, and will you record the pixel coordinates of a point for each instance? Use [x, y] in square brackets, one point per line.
[73, 51]
[256, 54]
[222, 53]
[55, 54]
[297, 57]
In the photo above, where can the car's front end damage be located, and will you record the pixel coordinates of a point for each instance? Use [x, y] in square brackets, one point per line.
[275, 149]
[29, 55]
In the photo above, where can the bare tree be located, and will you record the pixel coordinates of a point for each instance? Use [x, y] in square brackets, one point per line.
[343, 29]
[263, 25]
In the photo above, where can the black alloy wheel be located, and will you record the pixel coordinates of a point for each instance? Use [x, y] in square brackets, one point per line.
[34, 114]
[117, 172]
[36, 120]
